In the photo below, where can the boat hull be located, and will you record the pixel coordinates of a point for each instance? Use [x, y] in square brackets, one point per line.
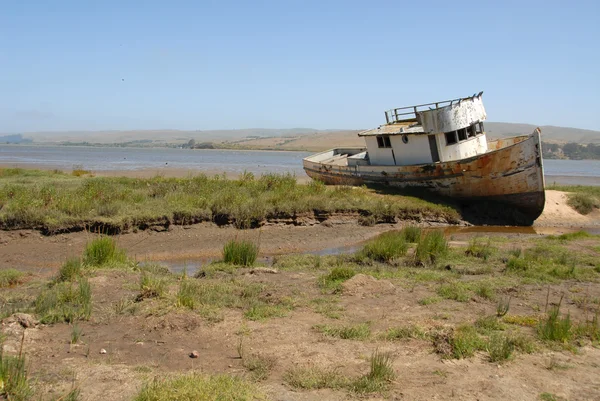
[511, 173]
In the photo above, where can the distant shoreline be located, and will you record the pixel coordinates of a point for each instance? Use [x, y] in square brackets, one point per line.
[176, 172]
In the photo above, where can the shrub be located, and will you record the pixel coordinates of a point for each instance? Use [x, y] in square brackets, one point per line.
[241, 253]
[555, 327]
[431, 248]
[386, 247]
[193, 386]
[103, 251]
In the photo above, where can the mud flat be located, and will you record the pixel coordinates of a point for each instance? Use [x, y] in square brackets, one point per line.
[443, 311]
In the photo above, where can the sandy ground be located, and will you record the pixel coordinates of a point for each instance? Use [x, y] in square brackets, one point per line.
[558, 213]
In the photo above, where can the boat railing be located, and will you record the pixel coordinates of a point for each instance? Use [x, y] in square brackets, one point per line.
[409, 113]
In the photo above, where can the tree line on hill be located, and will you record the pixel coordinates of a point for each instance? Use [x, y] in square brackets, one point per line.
[570, 150]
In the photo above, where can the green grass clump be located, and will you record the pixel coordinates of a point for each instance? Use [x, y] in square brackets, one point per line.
[555, 327]
[335, 277]
[65, 302]
[10, 277]
[14, 378]
[240, 253]
[258, 366]
[412, 234]
[386, 247]
[589, 329]
[455, 290]
[570, 236]
[404, 332]
[314, 378]
[70, 270]
[196, 387]
[480, 248]
[500, 347]
[103, 251]
[152, 286]
[431, 248]
[354, 332]
[380, 375]
[488, 323]
[465, 342]
[485, 290]
[583, 203]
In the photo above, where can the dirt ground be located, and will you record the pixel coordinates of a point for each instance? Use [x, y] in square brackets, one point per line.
[156, 339]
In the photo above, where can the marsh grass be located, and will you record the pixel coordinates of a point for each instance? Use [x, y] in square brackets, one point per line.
[36, 199]
[500, 347]
[65, 302]
[404, 333]
[336, 276]
[315, 378]
[208, 297]
[381, 374]
[455, 290]
[411, 234]
[76, 332]
[258, 366]
[14, 377]
[487, 324]
[240, 252]
[360, 331]
[386, 247]
[103, 251]
[431, 248]
[555, 327]
[583, 203]
[480, 248]
[197, 387]
[570, 236]
[465, 342]
[11, 278]
[550, 262]
[70, 270]
[152, 286]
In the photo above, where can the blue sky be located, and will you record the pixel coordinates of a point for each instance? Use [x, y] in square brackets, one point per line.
[96, 65]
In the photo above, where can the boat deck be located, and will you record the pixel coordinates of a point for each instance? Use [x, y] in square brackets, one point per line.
[337, 160]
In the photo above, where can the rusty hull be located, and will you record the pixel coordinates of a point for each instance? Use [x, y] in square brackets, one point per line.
[511, 172]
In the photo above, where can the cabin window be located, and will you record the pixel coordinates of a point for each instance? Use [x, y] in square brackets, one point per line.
[462, 134]
[479, 128]
[450, 138]
[472, 131]
[383, 141]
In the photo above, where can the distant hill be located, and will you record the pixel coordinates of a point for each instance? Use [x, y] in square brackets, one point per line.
[549, 132]
[281, 139]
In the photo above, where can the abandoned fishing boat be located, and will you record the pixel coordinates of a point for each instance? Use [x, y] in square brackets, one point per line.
[442, 147]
